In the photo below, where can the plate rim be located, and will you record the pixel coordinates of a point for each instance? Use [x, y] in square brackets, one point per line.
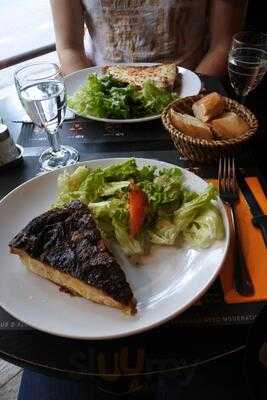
[148, 326]
[127, 120]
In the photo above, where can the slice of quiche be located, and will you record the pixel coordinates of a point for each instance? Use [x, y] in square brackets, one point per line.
[65, 246]
[162, 75]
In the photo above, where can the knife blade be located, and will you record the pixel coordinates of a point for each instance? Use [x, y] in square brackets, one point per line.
[259, 219]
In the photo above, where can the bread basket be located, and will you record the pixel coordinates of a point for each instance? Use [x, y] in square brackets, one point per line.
[202, 150]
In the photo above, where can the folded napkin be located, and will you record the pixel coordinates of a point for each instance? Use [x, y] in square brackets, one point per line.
[254, 249]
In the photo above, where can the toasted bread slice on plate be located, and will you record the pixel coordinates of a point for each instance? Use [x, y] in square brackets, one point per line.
[163, 75]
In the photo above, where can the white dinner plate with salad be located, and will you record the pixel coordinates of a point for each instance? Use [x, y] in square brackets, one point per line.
[190, 85]
[168, 280]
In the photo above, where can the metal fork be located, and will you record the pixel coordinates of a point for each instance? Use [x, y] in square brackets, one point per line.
[229, 193]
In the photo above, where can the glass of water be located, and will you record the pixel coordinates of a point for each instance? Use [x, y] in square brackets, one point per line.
[42, 93]
[247, 62]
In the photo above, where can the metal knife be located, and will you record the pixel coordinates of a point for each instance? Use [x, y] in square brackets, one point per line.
[262, 181]
[259, 219]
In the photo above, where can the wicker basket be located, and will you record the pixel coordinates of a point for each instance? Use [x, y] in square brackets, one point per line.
[202, 150]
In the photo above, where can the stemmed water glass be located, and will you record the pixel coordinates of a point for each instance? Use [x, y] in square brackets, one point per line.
[247, 62]
[41, 90]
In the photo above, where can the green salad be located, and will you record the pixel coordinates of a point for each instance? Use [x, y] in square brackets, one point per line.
[141, 206]
[106, 97]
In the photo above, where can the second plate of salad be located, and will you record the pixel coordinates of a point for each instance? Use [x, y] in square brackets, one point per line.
[128, 93]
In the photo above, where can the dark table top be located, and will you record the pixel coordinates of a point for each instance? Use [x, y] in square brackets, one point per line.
[162, 349]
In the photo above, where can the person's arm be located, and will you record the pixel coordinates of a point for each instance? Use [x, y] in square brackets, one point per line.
[69, 31]
[226, 18]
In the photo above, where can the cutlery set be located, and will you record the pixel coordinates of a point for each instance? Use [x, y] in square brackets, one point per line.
[230, 182]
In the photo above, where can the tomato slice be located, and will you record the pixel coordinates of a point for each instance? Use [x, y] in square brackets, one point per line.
[138, 207]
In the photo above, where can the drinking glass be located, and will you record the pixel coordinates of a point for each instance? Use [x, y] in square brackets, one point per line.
[247, 62]
[42, 93]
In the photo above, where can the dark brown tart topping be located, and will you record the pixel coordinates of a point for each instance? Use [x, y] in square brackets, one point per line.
[69, 240]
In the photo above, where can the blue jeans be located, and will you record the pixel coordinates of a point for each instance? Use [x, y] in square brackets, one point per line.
[36, 386]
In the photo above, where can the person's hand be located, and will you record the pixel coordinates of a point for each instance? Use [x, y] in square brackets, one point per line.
[72, 61]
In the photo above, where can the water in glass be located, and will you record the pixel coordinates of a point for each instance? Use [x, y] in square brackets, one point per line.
[45, 103]
[246, 67]
[41, 90]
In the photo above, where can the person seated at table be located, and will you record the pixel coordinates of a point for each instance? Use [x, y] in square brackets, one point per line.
[194, 33]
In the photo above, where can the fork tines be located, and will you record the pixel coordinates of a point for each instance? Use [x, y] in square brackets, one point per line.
[227, 175]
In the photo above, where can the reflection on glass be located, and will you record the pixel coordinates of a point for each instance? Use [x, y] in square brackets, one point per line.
[247, 62]
[42, 93]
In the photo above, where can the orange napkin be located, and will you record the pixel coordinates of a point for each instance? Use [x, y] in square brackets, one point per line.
[254, 249]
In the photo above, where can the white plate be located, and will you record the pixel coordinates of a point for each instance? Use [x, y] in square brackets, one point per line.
[169, 282]
[190, 85]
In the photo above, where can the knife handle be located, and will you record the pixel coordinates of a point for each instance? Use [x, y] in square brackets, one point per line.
[242, 280]
[260, 221]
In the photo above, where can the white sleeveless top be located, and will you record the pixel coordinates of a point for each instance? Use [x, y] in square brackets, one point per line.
[147, 30]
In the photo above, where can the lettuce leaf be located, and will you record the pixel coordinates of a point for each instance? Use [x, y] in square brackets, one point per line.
[206, 228]
[112, 216]
[112, 187]
[65, 198]
[77, 178]
[145, 173]
[165, 188]
[122, 171]
[90, 98]
[185, 215]
[92, 187]
[69, 183]
[68, 186]
[129, 170]
[188, 195]
[105, 96]
[129, 244]
[101, 209]
[154, 98]
[164, 233]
